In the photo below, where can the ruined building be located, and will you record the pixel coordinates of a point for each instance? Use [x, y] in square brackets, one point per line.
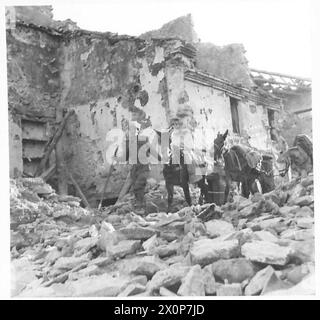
[296, 95]
[107, 80]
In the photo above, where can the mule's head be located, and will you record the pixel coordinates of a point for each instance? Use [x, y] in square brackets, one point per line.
[219, 143]
[283, 163]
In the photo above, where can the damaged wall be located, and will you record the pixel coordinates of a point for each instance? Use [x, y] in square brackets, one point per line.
[109, 82]
[181, 28]
[33, 71]
[211, 109]
[33, 92]
[226, 62]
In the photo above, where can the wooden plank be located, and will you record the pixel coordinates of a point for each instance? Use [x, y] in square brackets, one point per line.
[48, 173]
[107, 179]
[126, 187]
[82, 196]
[280, 74]
[54, 142]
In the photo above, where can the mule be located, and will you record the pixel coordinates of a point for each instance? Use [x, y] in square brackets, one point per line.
[177, 174]
[299, 157]
[239, 170]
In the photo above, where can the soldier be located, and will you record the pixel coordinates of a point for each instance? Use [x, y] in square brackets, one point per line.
[139, 172]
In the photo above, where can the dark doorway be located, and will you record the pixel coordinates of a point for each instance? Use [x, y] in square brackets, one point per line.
[271, 123]
[108, 202]
[235, 115]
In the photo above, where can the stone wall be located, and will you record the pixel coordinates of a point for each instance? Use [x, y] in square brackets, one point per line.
[33, 92]
[109, 83]
[212, 110]
[108, 80]
[33, 71]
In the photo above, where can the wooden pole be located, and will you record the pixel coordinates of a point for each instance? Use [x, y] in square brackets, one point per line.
[105, 185]
[53, 143]
[126, 187]
[82, 196]
[48, 173]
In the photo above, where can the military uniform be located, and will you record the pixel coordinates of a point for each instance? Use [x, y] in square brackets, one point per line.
[139, 175]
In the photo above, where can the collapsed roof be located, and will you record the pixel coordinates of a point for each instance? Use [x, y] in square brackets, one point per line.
[280, 84]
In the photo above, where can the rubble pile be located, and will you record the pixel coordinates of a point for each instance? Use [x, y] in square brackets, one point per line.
[258, 246]
[38, 214]
[155, 199]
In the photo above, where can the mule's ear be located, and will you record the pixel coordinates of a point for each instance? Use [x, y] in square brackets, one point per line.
[226, 133]
[157, 132]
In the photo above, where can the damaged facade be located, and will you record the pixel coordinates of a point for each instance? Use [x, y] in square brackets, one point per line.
[296, 95]
[109, 80]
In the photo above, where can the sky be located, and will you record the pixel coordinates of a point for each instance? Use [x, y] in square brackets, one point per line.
[276, 34]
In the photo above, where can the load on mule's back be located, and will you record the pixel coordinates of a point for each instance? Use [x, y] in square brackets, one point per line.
[244, 165]
[304, 142]
[299, 157]
[185, 164]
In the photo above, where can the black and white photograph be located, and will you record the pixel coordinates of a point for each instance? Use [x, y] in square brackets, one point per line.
[159, 149]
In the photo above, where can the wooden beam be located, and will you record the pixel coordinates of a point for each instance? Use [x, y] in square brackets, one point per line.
[302, 111]
[53, 143]
[82, 196]
[48, 173]
[280, 74]
[126, 187]
[105, 185]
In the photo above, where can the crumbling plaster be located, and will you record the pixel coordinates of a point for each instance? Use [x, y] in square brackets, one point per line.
[108, 85]
[15, 147]
[109, 81]
[33, 71]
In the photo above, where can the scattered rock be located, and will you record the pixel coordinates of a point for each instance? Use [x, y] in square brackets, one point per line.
[305, 223]
[233, 289]
[303, 251]
[286, 210]
[164, 292]
[265, 236]
[131, 290]
[277, 224]
[296, 273]
[168, 277]
[98, 286]
[167, 250]
[216, 228]
[298, 235]
[192, 283]
[303, 212]
[63, 249]
[306, 287]
[68, 263]
[206, 251]
[266, 252]
[147, 266]
[209, 281]
[135, 232]
[233, 270]
[249, 210]
[258, 282]
[303, 201]
[124, 248]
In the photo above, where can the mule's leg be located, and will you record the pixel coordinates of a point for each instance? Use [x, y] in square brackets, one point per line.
[184, 182]
[204, 191]
[289, 173]
[227, 190]
[186, 191]
[245, 188]
[169, 187]
[304, 173]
